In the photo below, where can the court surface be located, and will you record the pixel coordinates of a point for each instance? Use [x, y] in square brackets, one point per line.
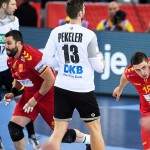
[119, 120]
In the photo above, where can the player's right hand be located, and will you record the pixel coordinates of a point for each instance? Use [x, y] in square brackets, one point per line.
[8, 98]
[117, 92]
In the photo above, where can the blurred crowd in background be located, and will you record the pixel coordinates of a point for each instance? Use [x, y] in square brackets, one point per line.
[121, 15]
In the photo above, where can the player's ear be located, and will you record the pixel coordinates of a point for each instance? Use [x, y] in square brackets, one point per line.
[4, 5]
[80, 14]
[19, 43]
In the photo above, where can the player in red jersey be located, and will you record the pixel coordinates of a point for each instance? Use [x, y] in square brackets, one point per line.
[138, 73]
[28, 70]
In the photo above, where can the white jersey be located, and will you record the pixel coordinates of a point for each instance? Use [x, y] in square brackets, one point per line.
[9, 23]
[70, 44]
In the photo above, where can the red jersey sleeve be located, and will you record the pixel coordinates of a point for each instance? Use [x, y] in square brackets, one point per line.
[129, 73]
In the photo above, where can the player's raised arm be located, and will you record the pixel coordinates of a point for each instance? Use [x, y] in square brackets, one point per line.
[118, 90]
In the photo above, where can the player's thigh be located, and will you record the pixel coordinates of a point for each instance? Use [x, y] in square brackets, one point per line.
[18, 111]
[0, 80]
[0, 85]
[46, 109]
[20, 120]
[7, 80]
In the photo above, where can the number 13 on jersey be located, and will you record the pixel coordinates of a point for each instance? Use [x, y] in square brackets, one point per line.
[71, 55]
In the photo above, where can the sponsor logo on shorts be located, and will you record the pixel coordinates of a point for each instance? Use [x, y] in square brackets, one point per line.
[93, 115]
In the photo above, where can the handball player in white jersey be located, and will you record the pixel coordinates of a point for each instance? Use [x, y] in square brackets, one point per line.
[77, 51]
[7, 22]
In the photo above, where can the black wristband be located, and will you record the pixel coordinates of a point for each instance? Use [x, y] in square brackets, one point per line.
[14, 91]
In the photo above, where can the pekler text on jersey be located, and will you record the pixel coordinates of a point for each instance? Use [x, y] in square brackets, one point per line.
[70, 37]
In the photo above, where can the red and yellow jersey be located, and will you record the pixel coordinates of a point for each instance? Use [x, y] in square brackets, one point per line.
[142, 86]
[27, 68]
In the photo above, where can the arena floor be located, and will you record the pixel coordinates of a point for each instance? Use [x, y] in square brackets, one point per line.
[120, 125]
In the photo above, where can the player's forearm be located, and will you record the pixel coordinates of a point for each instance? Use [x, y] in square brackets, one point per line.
[48, 81]
[123, 82]
[46, 86]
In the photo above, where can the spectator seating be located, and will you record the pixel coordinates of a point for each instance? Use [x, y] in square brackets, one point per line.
[137, 14]
[54, 12]
[37, 6]
[95, 13]
[144, 11]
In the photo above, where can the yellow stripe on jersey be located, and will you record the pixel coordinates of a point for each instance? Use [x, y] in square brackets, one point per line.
[27, 55]
[44, 70]
[129, 69]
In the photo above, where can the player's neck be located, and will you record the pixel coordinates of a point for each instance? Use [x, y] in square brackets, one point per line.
[75, 21]
[3, 15]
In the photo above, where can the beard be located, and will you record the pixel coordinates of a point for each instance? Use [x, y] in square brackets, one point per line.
[12, 52]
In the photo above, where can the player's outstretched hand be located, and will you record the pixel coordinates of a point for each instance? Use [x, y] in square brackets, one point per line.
[117, 92]
[8, 98]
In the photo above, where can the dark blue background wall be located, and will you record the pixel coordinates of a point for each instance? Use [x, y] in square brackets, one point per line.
[116, 48]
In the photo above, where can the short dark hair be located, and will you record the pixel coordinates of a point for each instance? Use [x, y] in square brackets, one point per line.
[73, 7]
[138, 58]
[17, 36]
[4, 1]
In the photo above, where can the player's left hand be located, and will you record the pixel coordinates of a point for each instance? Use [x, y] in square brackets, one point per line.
[29, 106]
